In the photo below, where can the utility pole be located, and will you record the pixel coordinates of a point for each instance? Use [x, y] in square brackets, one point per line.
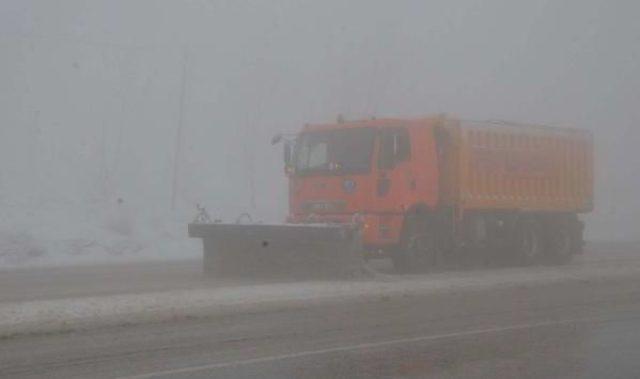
[249, 157]
[178, 142]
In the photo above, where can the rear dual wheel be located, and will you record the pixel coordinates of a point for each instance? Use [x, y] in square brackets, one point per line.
[562, 241]
[549, 242]
[528, 242]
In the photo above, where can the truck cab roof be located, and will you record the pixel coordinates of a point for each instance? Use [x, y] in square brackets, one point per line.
[373, 122]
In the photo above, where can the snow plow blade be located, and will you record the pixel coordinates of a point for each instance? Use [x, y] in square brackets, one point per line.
[290, 251]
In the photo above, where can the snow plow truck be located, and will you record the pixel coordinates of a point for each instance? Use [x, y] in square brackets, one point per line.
[424, 192]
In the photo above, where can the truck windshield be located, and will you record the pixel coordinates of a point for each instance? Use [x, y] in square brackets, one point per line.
[340, 151]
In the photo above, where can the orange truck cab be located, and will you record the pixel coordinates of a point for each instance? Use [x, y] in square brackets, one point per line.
[374, 170]
[427, 187]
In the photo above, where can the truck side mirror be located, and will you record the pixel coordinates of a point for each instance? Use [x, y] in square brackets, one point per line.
[276, 139]
[287, 154]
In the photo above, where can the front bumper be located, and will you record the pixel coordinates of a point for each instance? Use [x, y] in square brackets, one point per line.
[380, 231]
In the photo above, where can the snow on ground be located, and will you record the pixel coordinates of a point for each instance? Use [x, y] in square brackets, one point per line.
[63, 234]
[87, 312]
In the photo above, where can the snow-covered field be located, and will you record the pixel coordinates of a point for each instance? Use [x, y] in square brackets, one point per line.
[64, 235]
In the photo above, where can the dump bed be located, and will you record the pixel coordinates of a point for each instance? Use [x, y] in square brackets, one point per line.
[499, 165]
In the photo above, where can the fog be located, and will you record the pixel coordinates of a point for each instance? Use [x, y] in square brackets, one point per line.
[166, 104]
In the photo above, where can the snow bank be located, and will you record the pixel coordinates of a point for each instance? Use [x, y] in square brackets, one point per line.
[66, 234]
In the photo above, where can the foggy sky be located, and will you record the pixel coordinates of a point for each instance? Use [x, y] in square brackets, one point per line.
[90, 90]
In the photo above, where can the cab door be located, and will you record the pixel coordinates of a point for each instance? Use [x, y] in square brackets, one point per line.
[395, 180]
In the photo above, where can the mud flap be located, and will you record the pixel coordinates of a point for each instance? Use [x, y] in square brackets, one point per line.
[290, 251]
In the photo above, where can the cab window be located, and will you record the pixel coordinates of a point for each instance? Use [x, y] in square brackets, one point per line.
[395, 147]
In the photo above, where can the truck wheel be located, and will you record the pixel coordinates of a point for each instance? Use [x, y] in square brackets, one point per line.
[577, 237]
[528, 244]
[419, 249]
[564, 239]
[560, 241]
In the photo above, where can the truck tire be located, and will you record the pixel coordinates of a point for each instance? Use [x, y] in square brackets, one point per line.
[577, 236]
[560, 244]
[528, 242]
[419, 249]
[564, 239]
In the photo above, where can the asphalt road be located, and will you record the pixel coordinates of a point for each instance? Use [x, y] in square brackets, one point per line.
[571, 330]
[577, 329]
